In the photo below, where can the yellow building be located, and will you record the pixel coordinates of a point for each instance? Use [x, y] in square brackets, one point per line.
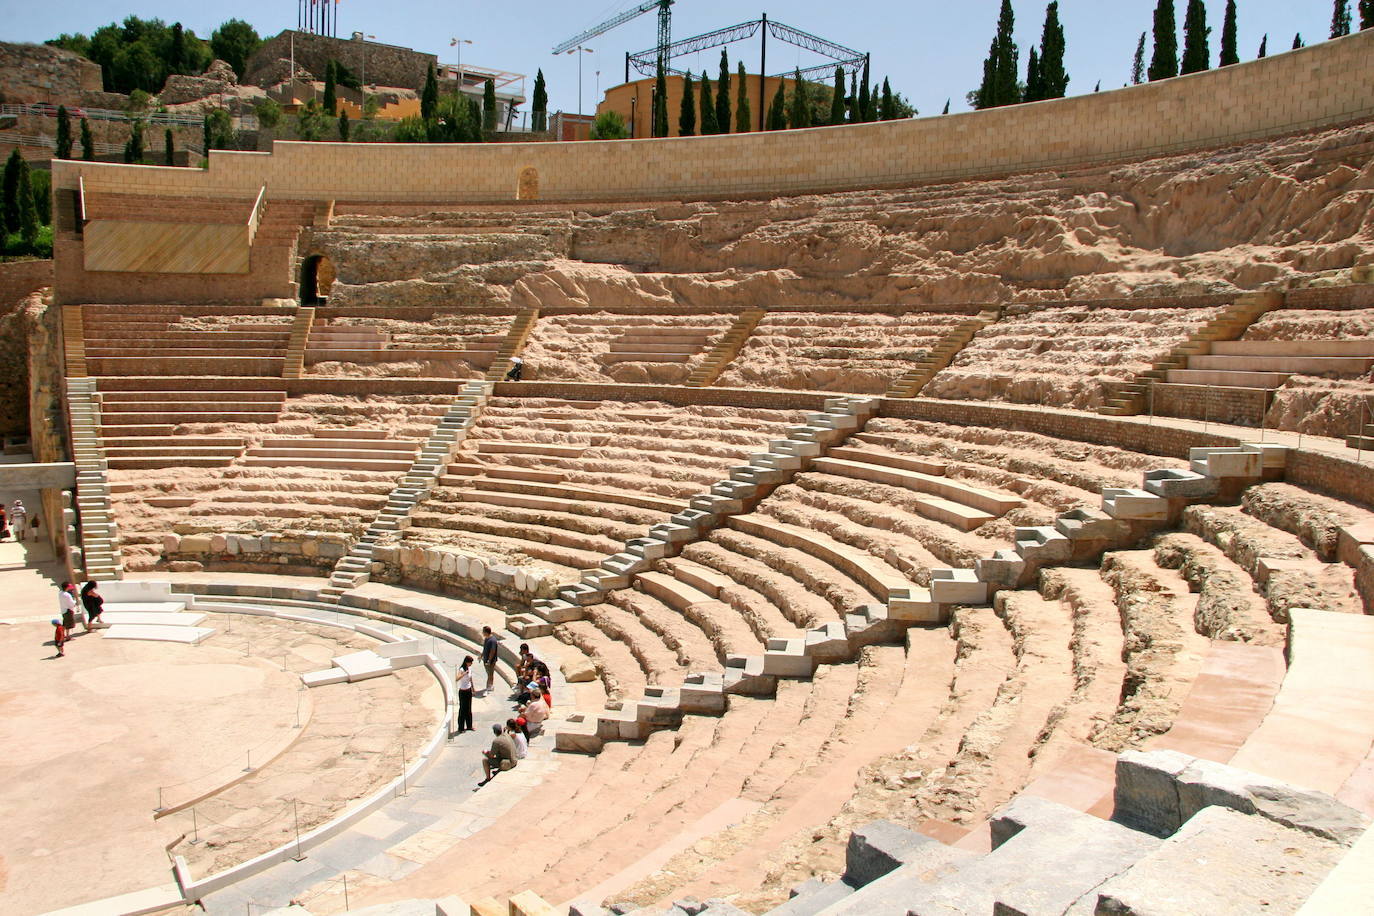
[634, 101]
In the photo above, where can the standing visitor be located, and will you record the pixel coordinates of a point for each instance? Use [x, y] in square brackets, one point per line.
[59, 637]
[93, 604]
[517, 368]
[465, 695]
[19, 517]
[489, 657]
[66, 603]
[4, 524]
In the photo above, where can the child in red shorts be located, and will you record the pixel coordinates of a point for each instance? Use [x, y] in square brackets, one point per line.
[59, 637]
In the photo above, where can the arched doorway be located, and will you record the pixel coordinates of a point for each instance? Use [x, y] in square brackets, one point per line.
[317, 278]
[527, 188]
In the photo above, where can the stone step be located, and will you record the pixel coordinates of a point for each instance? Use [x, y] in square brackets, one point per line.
[356, 464]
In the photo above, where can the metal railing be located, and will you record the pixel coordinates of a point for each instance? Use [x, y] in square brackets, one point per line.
[44, 109]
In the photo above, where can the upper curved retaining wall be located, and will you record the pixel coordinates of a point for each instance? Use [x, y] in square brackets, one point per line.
[1323, 85]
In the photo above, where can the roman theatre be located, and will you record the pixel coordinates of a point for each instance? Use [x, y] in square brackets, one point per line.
[960, 515]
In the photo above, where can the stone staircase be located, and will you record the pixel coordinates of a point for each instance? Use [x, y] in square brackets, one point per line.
[1133, 397]
[355, 568]
[725, 351]
[100, 556]
[74, 341]
[1125, 516]
[294, 365]
[515, 342]
[910, 383]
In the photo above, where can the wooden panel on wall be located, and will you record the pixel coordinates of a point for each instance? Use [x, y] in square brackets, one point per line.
[166, 248]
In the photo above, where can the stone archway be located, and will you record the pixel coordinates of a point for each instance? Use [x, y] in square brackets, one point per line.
[317, 278]
[527, 188]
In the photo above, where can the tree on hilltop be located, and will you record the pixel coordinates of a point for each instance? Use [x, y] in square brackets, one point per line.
[331, 89]
[708, 108]
[235, 42]
[868, 107]
[999, 86]
[489, 109]
[799, 108]
[1054, 79]
[661, 102]
[539, 104]
[429, 96]
[1138, 62]
[10, 210]
[133, 150]
[723, 95]
[687, 113]
[1340, 19]
[777, 111]
[1164, 60]
[1298, 42]
[168, 148]
[1264, 47]
[1197, 53]
[743, 117]
[837, 106]
[1229, 54]
[1035, 89]
[1366, 14]
[64, 133]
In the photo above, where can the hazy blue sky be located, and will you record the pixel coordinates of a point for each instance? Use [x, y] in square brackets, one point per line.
[931, 49]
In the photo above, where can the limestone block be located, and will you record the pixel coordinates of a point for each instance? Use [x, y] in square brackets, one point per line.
[218, 543]
[434, 560]
[195, 543]
[1172, 483]
[286, 548]
[462, 565]
[1226, 462]
[171, 543]
[957, 586]
[520, 582]
[232, 545]
[1126, 503]
[578, 670]
[528, 903]
[250, 545]
[500, 574]
[477, 569]
[1004, 567]
[488, 906]
[877, 848]
[387, 554]
[448, 564]
[310, 548]
[451, 906]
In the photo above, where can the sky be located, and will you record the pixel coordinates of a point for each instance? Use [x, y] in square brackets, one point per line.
[932, 50]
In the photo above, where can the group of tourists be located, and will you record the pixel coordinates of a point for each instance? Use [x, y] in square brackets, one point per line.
[16, 521]
[84, 609]
[533, 703]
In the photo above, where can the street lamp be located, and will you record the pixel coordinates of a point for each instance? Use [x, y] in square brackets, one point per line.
[458, 43]
[579, 51]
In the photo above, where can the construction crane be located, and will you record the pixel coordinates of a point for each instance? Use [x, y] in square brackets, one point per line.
[665, 26]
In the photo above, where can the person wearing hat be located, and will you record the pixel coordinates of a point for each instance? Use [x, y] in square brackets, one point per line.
[19, 517]
[66, 603]
[59, 637]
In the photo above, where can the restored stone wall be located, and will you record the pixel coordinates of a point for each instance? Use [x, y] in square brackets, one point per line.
[1241, 406]
[39, 73]
[1305, 89]
[18, 280]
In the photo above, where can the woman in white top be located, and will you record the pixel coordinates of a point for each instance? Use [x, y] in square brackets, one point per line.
[522, 744]
[465, 695]
[67, 604]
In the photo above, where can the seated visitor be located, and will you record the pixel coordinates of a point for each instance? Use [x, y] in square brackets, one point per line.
[517, 735]
[535, 712]
[500, 757]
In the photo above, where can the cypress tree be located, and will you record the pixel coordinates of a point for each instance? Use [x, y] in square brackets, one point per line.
[837, 106]
[708, 107]
[799, 109]
[168, 149]
[331, 88]
[539, 105]
[723, 95]
[133, 150]
[207, 141]
[946, 111]
[343, 127]
[489, 110]
[1298, 42]
[1264, 47]
[743, 117]
[687, 114]
[87, 142]
[660, 103]
[64, 133]
[1366, 14]
[1229, 55]
[777, 111]
[885, 109]
[11, 194]
[176, 54]
[1138, 63]
[429, 97]
[867, 97]
[1340, 19]
[1035, 87]
[28, 211]
[852, 102]
[1164, 60]
[1054, 80]
[1197, 53]
[1000, 70]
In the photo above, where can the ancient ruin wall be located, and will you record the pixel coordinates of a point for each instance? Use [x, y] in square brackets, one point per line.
[1313, 87]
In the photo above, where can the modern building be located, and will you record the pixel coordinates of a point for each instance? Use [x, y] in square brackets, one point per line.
[634, 101]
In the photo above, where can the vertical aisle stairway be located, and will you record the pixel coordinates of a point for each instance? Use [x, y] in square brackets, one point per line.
[294, 366]
[100, 556]
[515, 342]
[910, 383]
[725, 350]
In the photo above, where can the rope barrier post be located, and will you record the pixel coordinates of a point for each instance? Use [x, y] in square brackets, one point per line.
[1359, 435]
[1152, 402]
[298, 708]
[403, 768]
[249, 767]
[195, 828]
[295, 813]
[159, 799]
[345, 884]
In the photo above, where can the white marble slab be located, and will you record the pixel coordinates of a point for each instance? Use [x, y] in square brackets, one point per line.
[145, 607]
[158, 633]
[114, 618]
[360, 666]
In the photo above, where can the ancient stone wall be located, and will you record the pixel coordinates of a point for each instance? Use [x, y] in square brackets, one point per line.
[18, 280]
[39, 73]
[1305, 89]
[384, 65]
[1242, 406]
